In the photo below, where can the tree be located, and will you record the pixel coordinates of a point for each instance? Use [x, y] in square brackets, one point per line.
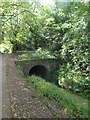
[75, 48]
[20, 24]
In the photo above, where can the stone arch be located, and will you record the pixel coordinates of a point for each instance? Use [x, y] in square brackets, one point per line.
[39, 70]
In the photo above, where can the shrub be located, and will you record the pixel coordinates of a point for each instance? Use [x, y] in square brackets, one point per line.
[38, 54]
[74, 80]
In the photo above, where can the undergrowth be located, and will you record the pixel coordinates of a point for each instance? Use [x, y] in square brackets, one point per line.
[71, 103]
[38, 54]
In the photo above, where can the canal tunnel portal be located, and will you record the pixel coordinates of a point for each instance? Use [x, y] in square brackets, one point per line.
[40, 67]
[38, 70]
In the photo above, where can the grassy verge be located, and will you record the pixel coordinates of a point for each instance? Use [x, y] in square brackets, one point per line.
[71, 103]
[74, 104]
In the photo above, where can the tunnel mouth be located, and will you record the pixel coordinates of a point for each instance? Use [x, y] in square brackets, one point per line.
[38, 70]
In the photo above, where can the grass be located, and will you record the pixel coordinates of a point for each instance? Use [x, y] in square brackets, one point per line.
[54, 111]
[74, 104]
[71, 103]
[19, 70]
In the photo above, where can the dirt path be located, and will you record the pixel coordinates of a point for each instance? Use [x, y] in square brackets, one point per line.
[22, 103]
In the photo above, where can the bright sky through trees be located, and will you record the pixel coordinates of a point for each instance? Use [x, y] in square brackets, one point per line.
[47, 2]
[51, 2]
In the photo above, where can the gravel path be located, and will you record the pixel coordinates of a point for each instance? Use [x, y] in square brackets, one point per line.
[22, 103]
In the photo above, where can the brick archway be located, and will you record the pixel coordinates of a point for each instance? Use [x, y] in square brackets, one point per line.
[38, 70]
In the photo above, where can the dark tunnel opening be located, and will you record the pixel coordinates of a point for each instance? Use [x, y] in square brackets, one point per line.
[38, 70]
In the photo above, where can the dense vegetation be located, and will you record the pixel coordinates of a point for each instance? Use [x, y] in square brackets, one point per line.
[38, 54]
[63, 32]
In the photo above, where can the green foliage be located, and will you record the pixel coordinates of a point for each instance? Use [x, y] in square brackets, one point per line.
[38, 54]
[74, 74]
[6, 47]
[20, 24]
[73, 79]
[71, 103]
